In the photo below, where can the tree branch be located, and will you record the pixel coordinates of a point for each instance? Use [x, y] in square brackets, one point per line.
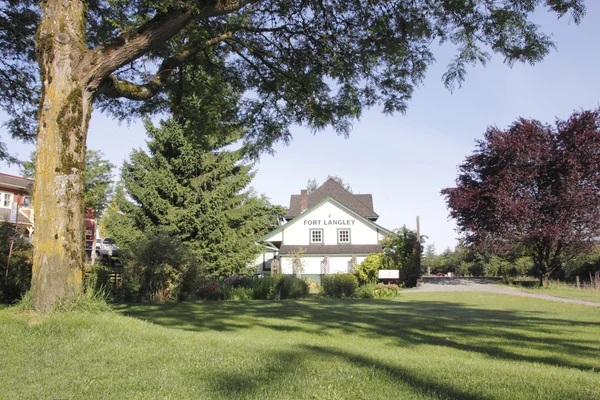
[113, 87]
[97, 64]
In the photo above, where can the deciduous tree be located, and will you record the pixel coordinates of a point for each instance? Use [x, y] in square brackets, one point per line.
[312, 62]
[532, 185]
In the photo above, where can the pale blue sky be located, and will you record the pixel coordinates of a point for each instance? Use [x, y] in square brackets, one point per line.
[405, 160]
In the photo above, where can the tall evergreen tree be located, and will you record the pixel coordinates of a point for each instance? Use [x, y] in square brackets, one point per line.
[199, 196]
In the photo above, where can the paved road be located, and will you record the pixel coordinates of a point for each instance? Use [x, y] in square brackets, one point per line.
[482, 285]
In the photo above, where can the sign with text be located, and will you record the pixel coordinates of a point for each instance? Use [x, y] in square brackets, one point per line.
[389, 274]
[319, 222]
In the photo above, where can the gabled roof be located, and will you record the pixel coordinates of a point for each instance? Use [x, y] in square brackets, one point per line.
[16, 182]
[362, 204]
[314, 207]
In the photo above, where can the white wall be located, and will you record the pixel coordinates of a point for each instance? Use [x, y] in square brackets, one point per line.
[312, 265]
[258, 263]
[320, 218]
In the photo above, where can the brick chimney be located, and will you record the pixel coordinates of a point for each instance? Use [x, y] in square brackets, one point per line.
[303, 200]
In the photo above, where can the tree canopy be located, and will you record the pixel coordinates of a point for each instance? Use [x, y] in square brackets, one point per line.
[313, 62]
[532, 185]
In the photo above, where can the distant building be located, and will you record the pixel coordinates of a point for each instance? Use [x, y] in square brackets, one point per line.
[15, 202]
[332, 226]
[16, 207]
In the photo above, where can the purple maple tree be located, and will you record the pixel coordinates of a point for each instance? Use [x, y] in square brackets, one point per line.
[534, 186]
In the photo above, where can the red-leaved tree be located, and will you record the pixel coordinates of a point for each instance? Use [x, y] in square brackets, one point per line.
[533, 185]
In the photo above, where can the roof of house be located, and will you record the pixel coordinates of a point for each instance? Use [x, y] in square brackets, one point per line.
[5, 217]
[321, 249]
[16, 182]
[362, 204]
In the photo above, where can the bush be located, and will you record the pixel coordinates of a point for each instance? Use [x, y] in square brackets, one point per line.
[15, 278]
[374, 290]
[291, 287]
[366, 291]
[339, 286]
[264, 288]
[383, 290]
[367, 270]
[269, 287]
[97, 277]
[240, 293]
[154, 269]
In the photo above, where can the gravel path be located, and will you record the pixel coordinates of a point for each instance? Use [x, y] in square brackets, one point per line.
[482, 285]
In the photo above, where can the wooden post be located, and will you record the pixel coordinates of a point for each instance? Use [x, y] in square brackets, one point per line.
[418, 250]
[577, 280]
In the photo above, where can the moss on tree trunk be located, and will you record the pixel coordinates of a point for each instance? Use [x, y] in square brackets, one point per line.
[59, 239]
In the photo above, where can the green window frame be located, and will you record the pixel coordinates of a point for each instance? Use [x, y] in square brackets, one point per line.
[314, 233]
[339, 236]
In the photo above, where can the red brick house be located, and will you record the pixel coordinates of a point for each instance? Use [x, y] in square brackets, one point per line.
[15, 202]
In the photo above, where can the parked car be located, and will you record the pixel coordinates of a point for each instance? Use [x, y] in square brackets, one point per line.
[108, 247]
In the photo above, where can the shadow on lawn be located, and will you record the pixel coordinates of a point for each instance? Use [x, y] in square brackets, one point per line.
[283, 366]
[502, 334]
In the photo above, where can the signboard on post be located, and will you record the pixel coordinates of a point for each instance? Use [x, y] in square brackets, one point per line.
[389, 274]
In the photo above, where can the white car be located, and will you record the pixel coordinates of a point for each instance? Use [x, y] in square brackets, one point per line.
[108, 247]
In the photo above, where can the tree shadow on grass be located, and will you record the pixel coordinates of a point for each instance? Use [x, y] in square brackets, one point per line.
[280, 371]
[503, 334]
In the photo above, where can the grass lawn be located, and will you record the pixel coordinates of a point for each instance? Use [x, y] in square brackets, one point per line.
[470, 346]
[565, 291]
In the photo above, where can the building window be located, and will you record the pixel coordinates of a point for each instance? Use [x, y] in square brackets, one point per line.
[316, 236]
[343, 236]
[5, 200]
[27, 201]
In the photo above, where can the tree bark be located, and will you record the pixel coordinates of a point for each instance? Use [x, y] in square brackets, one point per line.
[71, 74]
[65, 109]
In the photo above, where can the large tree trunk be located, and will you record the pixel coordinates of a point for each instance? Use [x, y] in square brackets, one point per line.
[59, 240]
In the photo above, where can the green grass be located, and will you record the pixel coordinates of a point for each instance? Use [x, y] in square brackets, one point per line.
[471, 346]
[568, 292]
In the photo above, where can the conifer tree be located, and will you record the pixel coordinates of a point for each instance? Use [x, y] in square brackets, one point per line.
[199, 196]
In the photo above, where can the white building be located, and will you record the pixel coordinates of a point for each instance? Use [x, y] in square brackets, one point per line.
[331, 225]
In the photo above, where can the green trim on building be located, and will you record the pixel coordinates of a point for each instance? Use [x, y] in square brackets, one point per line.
[349, 235]
[310, 232]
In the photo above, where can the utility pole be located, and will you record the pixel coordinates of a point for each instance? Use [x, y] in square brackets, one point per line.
[418, 250]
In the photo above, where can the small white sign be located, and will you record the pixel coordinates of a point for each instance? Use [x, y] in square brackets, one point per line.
[389, 274]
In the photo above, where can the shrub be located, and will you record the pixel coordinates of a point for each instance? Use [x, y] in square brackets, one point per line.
[97, 277]
[339, 286]
[240, 293]
[210, 290]
[155, 267]
[367, 270]
[15, 275]
[366, 291]
[383, 290]
[291, 287]
[264, 288]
